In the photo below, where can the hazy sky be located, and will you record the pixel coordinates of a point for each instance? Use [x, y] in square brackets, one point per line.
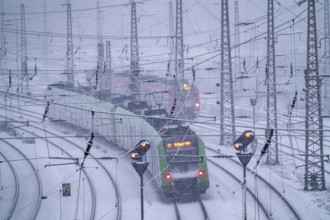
[201, 25]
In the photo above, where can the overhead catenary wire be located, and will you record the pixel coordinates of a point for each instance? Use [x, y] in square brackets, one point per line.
[143, 116]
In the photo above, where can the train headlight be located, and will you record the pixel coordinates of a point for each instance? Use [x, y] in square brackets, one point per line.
[186, 87]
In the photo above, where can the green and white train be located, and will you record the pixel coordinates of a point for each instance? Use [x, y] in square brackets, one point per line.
[176, 156]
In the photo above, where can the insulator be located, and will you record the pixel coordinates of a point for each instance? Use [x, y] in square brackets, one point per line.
[173, 107]
[264, 149]
[96, 76]
[9, 78]
[293, 102]
[193, 72]
[45, 113]
[108, 158]
[89, 145]
[257, 62]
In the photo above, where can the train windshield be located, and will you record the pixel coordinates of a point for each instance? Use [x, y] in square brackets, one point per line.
[181, 151]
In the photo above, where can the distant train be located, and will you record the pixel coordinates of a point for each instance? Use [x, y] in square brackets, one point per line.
[156, 92]
[177, 154]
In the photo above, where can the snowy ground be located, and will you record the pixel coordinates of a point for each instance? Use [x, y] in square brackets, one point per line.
[222, 200]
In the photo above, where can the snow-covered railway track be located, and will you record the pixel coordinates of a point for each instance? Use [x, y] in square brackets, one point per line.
[238, 181]
[186, 210]
[291, 151]
[7, 214]
[284, 150]
[279, 199]
[105, 195]
[28, 176]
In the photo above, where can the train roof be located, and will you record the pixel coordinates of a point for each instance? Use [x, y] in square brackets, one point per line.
[177, 130]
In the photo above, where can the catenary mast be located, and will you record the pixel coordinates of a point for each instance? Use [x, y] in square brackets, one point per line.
[326, 53]
[314, 158]
[272, 154]
[227, 113]
[100, 44]
[24, 65]
[179, 58]
[69, 46]
[135, 69]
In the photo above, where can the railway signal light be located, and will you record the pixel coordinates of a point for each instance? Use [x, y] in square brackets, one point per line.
[168, 176]
[140, 150]
[244, 140]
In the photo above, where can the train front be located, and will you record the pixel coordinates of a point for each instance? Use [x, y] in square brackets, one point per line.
[184, 169]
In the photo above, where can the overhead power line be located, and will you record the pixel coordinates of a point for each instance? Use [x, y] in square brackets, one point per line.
[74, 10]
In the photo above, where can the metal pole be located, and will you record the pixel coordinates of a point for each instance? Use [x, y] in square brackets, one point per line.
[142, 208]
[244, 159]
[254, 119]
[244, 192]
[60, 204]
[1, 177]
[83, 198]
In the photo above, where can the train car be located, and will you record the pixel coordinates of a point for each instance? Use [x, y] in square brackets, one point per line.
[158, 93]
[176, 156]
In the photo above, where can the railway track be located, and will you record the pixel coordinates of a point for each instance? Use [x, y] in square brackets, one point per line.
[186, 210]
[16, 190]
[288, 151]
[238, 181]
[93, 209]
[213, 128]
[19, 207]
[280, 196]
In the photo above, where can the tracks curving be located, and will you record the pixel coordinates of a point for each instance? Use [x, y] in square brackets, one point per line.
[39, 186]
[180, 211]
[93, 211]
[286, 203]
[14, 203]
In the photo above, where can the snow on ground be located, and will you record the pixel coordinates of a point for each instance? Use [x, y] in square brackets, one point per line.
[285, 177]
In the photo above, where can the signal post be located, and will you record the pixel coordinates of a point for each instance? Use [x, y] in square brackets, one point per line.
[140, 167]
[241, 144]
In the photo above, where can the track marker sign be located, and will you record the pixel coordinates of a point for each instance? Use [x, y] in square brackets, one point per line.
[66, 189]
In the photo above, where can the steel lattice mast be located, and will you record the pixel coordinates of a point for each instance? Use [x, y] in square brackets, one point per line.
[171, 32]
[326, 49]
[227, 112]
[314, 163]
[45, 49]
[237, 41]
[100, 44]
[179, 58]
[135, 69]
[108, 56]
[272, 154]
[108, 67]
[69, 46]
[2, 49]
[24, 70]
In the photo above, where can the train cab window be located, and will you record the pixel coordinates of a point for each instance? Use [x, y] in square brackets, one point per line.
[181, 150]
